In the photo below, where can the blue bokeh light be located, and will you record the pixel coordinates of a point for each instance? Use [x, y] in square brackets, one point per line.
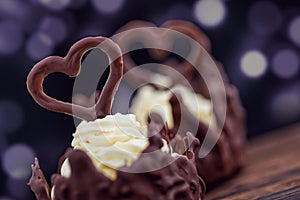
[39, 46]
[107, 6]
[16, 161]
[57, 34]
[264, 17]
[285, 63]
[11, 37]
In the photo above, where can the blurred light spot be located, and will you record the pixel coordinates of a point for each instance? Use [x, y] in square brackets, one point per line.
[57, 34]
[285, 63]
[18, 188]
[294, 30]
[16, 161]
[286, 106]
[253, 64]
[210, 13]
[11, 116]
[39, 46]
[107, 6]
[22, 12]
[264, 17]
[55, 5]
[77, 3]
[11, 8]
[11, 37]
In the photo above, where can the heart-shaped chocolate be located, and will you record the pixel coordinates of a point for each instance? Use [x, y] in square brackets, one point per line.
[71, 65]
[163, 38]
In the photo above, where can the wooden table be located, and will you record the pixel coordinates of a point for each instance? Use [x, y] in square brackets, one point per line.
[272, 170]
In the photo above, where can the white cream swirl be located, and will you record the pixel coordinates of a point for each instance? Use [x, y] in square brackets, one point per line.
[149, 100]
[111, 142]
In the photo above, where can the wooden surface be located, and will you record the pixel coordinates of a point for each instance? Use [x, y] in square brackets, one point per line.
[272, 170]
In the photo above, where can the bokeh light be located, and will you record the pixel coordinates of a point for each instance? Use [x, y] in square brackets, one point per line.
[253, 64]
[11, 8]
[57, 34]
[294, 30]
[39, 46]
[210, 13]
[11, 116]
[16, 161]
[286, 106]
[285, 63]
[21, 12]
[107, 6]
[264, 17]
[54, 5]
[11, 37]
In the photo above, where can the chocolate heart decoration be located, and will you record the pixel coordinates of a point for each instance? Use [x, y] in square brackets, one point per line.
[71, 65]
[163, 39]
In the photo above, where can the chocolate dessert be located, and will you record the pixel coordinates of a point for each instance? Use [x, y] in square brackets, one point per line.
[112, 156]
[180, 88]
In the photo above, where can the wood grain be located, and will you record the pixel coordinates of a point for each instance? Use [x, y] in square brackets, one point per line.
[272, 170]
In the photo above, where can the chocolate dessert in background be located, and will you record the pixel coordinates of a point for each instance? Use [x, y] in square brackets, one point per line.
[228, 154]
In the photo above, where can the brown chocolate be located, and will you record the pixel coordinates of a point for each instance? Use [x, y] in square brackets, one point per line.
[228, 154]
[70, 65]
[177, 181]
[154, 36]
[38, 183]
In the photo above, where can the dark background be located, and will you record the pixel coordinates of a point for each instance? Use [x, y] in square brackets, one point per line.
[31, 30]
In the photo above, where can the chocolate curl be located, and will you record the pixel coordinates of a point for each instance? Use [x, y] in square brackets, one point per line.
[38, 183]
[156, 125]
[71, 65]
[192, 150]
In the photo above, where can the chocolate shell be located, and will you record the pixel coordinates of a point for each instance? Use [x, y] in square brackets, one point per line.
[179, 180]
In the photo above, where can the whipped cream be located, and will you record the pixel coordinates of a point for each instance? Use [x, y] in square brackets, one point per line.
[198, 105]
[149, 100]
[111, 142]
